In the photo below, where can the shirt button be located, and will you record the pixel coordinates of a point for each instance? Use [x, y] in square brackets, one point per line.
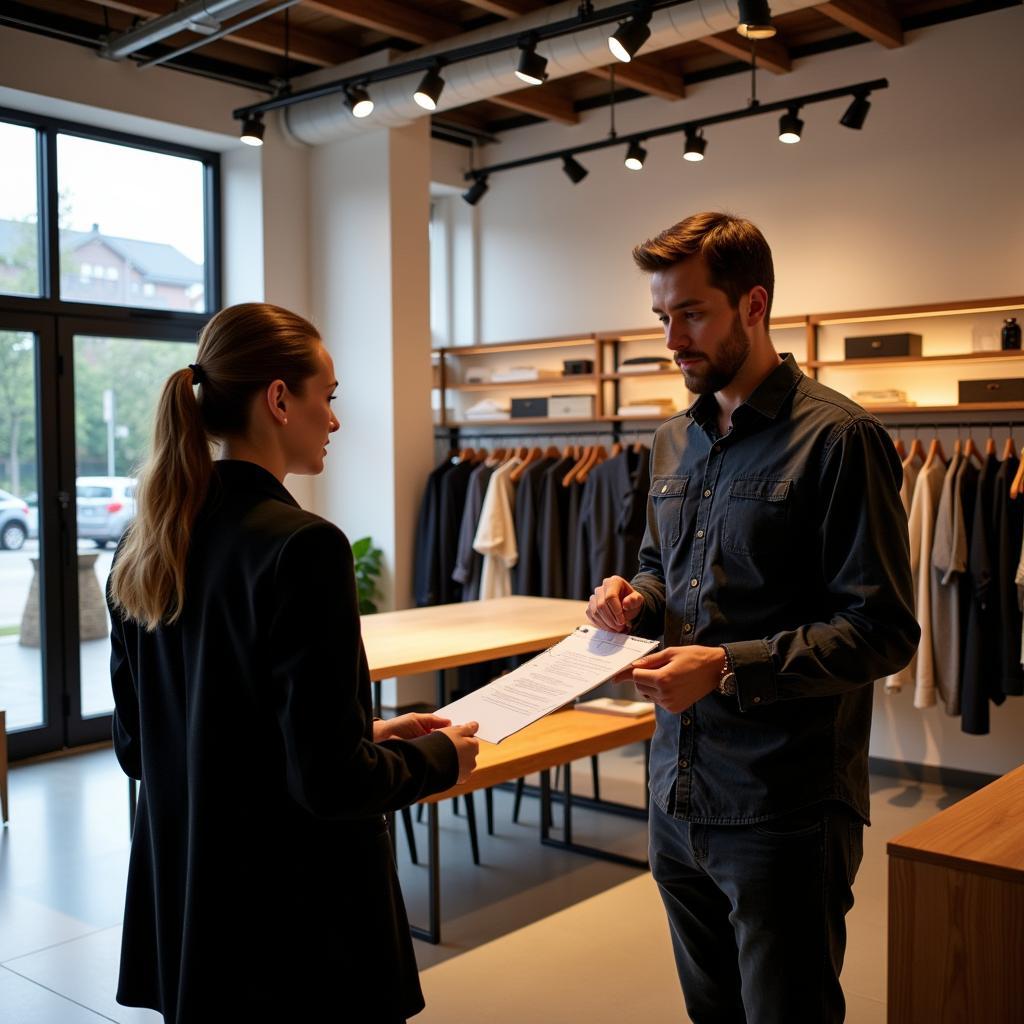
[700, 533]
[684, 763]
[688, 627]
[693, 583]
[707, 494]
[685, 719]
[664, 488]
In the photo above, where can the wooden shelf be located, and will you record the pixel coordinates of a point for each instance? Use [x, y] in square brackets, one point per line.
[917, 410]
[656, 334]
[585, 341]
[914, 312]
[543, 382]
[525, 421]
[958, 357]
[677, 373]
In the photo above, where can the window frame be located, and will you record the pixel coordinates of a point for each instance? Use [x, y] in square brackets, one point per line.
[49, 300]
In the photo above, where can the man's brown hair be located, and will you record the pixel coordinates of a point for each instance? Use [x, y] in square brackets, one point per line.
[737, 256]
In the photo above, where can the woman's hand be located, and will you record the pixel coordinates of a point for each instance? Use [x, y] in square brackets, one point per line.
[407, 727]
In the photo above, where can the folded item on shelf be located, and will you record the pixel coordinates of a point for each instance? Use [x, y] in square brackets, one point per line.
[476, 375]
[645, 364]
[487, 409]
[616, 706]
[653, 407]
[882, 396]
[517, 373]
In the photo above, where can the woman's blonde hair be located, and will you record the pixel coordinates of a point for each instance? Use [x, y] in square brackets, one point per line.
[241, 351]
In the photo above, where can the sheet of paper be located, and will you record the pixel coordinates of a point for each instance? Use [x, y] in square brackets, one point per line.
[587, 657]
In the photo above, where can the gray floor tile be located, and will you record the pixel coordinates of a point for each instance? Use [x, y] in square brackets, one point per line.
[24, 1002]
[85, 971]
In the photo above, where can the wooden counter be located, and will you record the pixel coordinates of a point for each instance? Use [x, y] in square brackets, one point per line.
[956, 912]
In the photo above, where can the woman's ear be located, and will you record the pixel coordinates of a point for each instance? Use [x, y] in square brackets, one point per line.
[277, 400]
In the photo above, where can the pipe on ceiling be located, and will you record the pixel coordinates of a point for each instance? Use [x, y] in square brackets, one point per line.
[328, 119]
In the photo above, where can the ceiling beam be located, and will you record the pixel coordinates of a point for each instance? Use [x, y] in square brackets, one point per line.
[867, 17]
[654, 79]
[507, 8]
[771, 54]
[267, 36]
[388, 16]
[541, 100]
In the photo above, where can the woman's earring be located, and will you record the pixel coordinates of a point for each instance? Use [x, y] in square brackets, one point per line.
[285, 420]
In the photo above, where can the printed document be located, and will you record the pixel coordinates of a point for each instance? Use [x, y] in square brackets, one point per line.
[586, 658]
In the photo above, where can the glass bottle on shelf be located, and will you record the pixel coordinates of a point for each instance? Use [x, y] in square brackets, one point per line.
[1011, 333]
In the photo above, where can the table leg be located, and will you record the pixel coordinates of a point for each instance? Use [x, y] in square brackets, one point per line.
[132, 805]
[376, 698]
[432, 934]
[489, 807]
[471, 822]
[545, 805]
[567, 811]
[441, 701]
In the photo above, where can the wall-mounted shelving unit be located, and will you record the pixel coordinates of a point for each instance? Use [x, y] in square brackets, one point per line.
[959, 333]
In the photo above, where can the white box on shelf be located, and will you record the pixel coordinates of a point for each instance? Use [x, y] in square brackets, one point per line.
[571, 407]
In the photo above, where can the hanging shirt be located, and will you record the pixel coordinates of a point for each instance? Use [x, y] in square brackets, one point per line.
[923, 510]
[980, 678]
[944, 594]
[427, 566]
[1009, 535]
[533, 544]
[554, 521]
[911, 471]
[496, 534]
[468, 563]
[454, 486]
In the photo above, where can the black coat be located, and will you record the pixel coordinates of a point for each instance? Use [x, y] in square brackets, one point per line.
[261, 882]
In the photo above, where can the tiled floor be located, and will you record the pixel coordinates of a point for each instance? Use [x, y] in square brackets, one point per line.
[590, 935]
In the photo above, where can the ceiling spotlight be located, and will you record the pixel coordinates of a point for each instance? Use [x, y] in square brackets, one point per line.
[856, 112]
[532, 68]
[695, 146]
[358, 100]
[575, 171]
[252, 130]
[476, 191]
[635, 156]
[629, 37]
[428, 92]
[790, 126]
[755, 21]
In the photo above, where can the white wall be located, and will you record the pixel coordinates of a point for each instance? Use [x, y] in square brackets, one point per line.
[924, 204]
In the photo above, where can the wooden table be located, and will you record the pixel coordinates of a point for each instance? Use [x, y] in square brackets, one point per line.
[956, 912]
[452, 635]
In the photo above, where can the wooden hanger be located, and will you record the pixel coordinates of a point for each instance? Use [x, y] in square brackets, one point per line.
[581, 458]
[1017, 486]
[901, 450]
[935, 452]
[467, 455]
[599, 455]
[916, 451]
[531, 456]
[1009, 450]
[990, 445]
[971, 449]
[616, 449]
[551, 452]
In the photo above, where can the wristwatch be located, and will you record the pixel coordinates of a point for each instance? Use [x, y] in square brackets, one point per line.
[727, 684]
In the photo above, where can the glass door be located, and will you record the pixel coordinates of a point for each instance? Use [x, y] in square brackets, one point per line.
[31, 666]
[115, 384]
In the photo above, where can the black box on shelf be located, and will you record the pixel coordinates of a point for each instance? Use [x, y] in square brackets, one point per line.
[572, 367]
[525, 408]
[874, 345]
[1005, 389]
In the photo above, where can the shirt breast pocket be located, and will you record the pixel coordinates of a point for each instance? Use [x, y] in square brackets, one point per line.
[757, 518]
[667, 494]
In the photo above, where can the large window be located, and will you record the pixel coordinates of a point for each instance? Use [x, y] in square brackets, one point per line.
[108, 270]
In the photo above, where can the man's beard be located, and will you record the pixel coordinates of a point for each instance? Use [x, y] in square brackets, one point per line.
[711, 374]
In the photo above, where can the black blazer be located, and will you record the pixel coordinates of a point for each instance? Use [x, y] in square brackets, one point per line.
[261, 882]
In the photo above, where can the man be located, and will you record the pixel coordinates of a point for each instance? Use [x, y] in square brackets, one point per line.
[775, 566]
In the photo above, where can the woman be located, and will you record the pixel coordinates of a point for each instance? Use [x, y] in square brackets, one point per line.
[261, 884]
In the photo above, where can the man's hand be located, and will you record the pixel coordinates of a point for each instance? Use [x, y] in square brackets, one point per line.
[614, 605]
[677, 677]
[407, 727]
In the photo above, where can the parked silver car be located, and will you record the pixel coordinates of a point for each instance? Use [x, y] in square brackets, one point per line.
[105, 505]
[13, 521]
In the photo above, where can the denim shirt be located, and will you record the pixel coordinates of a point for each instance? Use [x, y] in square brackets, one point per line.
[785, 541]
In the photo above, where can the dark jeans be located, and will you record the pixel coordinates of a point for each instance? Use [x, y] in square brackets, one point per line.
[757, 913]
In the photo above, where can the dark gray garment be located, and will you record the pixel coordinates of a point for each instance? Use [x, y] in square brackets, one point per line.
[529, 539]
[468, 564]
[553, 523]
[1009, 532]
[949, 559]
[454, 486]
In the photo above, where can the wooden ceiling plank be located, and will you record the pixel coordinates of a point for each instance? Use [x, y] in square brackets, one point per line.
[647, 77]
[388, 16]
[267, 36]
[771, 54]
[507, 8]
[542, 101]
[867, 17]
